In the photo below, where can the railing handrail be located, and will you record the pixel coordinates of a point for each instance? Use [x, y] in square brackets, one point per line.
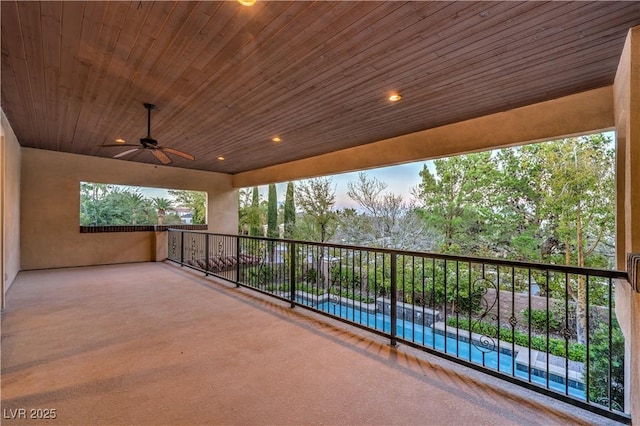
[605, 273]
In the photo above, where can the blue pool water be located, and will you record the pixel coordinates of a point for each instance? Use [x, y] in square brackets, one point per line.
[424, 335]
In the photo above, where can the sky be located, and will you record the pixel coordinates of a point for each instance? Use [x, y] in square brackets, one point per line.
[399, 179]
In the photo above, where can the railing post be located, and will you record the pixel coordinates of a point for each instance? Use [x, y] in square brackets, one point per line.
[292, 272]
[237, 260]
[394, 300]
[206, 255]
[181, 248]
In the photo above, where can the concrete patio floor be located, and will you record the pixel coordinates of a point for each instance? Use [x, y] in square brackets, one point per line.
[152, 343]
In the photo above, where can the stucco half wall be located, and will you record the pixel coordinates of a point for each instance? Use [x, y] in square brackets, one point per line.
[9, 204]
[50, 208]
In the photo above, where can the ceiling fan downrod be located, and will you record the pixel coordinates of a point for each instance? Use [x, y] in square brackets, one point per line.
[148, 141]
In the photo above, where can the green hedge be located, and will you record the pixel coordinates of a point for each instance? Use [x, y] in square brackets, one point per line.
[539, 320]
[351, 295]
[577, 351]
[307, 288]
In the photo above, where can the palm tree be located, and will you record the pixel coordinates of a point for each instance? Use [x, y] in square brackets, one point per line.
[136, 202]
[162, 205]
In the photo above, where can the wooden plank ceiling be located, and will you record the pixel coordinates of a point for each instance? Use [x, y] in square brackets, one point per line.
[227, 78]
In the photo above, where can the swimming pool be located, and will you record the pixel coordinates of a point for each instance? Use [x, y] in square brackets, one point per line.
[456, 345]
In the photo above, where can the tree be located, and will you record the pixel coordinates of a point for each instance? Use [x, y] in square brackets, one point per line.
[366, 192]
[93, 201]
[103, 204]
[386, 222]
[580, 188]
[272, 213]
[521, 233]
[254, 215]
[162, 205]
[137, 203]
[316, 199]
[456, 201]
[244, 210]
[354, 227]
[196, 201]
[289, 212]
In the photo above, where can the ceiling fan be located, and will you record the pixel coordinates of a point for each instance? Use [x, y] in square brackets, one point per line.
[148, 143]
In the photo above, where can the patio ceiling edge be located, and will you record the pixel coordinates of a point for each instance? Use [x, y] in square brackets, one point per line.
[577, 114]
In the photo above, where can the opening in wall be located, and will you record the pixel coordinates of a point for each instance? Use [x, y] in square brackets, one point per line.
[133, 208]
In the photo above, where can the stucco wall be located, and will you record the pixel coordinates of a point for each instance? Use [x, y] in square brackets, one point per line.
[50, 236]
[10, 215]
[627, 114]
[627, 313]
[577, 114]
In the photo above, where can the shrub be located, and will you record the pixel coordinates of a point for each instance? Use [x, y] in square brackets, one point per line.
[308, 288]
[600, 356]
[538, 320]
[577, 352]
[345, 276]
[460, 297]
[312, 275]
[351, 295]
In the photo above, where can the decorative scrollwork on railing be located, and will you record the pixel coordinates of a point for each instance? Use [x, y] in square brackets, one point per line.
[333, 296]
[220, 248]
[487, 341]
[174, 245]
[262, 273]
[194, 249]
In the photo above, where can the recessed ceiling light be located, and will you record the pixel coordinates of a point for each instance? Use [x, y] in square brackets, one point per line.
[221, 158]
[120, 140]
[247, 2]
[276, 139]
[395, 97]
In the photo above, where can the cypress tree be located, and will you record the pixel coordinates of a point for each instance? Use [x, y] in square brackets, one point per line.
[272, 213]
[289, 212]
[254, 220]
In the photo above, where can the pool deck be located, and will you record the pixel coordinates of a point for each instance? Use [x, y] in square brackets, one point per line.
[152, 343]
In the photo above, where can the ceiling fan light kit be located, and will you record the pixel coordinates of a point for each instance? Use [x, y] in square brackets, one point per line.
[148, 143]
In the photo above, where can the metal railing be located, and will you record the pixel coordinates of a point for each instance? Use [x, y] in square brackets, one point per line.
[549, 328]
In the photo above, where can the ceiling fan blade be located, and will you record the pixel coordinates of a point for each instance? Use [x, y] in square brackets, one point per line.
[122, 154]
[118, 144]
[178, 153]
[161, 156]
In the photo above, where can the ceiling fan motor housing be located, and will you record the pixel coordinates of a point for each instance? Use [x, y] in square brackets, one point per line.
[148, 141]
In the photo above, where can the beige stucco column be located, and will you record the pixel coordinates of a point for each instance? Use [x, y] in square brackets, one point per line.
[628, 315]
[160, 246]
[627, 119]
